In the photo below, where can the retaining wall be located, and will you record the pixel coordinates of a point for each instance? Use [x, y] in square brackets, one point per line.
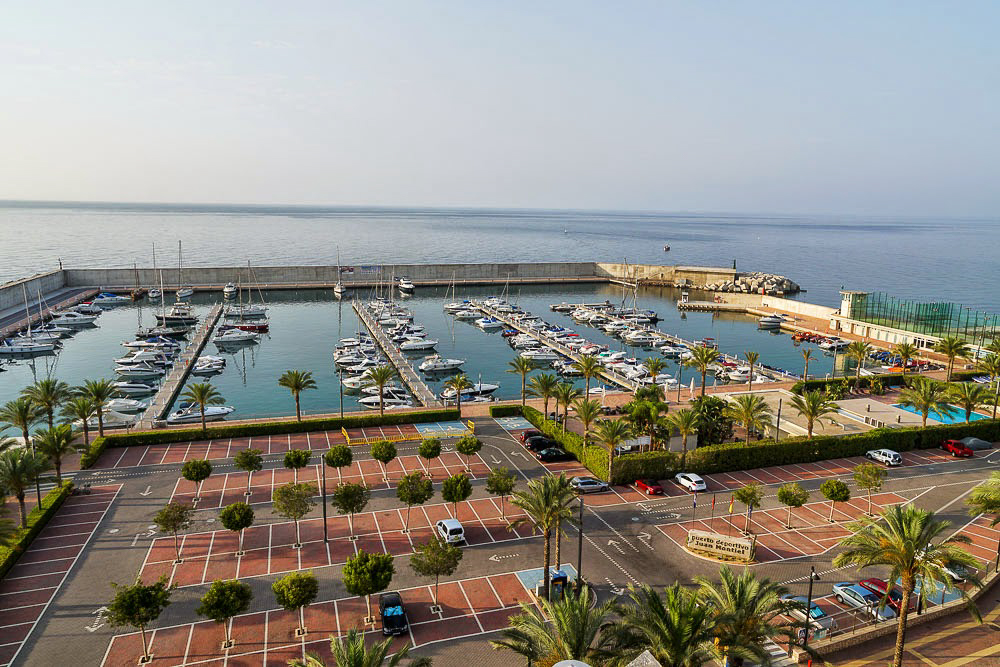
[12, 294]
[694, 275]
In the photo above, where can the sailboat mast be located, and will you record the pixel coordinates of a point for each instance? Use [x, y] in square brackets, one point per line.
[27, 313]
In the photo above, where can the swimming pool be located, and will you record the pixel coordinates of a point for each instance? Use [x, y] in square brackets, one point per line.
[957, 417]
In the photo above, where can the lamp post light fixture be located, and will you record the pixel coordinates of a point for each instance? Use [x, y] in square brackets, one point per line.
[809, 601]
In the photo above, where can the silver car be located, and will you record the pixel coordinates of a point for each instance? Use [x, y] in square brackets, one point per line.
[886, 456]
[588, 485]
[857, 597]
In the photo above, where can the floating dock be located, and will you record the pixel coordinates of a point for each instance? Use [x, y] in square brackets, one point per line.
[421, 392]
[164, 397]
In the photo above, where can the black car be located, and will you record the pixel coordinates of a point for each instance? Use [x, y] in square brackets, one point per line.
[554, 454]
[539, 442]
[390, 607]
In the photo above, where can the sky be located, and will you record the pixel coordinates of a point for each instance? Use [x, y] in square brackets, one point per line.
[801, 106]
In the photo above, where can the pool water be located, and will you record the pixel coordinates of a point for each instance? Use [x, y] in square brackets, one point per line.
[957, 417]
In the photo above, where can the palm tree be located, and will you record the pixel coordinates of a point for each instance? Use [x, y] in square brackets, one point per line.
[566, 393]
[991, 366]
[807, 356]
[297, 382]
[82, 409]
[539, 502]
[47, 395]
[969, 396]
[654, 366]
[522, 367]
[382, 375]
[21, 413]
[20, 468]
[589, 367]
[202, 394]
[814, 406]
[952, 347]
[911, 542]
[543, 386]
[458, 383]
[644, 416]
[858, 350]
[611, 433]
[751, 411]
[565, 499]
[676, 628]
[925, 396]
[567, 629]
[747, 612]
[985, 498]
[685, 422]
[701, 359]
[99, 392]
[752, 358]
[587, 412]
[906, 352]
[55, 444]
[351, 651]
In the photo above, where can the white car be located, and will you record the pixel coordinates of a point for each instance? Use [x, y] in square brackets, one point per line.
[450, 530]
[588, 484]
[690, 481]
[886, 456]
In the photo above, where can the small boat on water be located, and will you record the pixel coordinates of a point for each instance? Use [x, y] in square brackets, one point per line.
[26, 346]
[562, 307]
[489, 324]
[541, 355]
[834, 344]
[140, 371]
[251, 311]
[126, 405]
[72, 318]
[466, 314]
[770, 322]
[153, 343]
[110, 419]
[109, 299]
[406, 285]
[259, 326]
[438, 364]
[229, 291]
[207, 365]
[190, 413]
[88, 308]
[414, 344]
[126, 388]
[477, 389]
[230, 336]
[180, 313]
[373, 402]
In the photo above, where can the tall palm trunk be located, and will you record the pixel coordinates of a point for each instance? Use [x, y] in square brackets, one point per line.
[298, 411]
[805, 371]
[57, 463]
[202, 409]
[458, 402]
[21, 508]
[904, 610]
[381, 406]
[524, 379]
[100, 420]
[558, 543]
[750, 384]
[86, 434]
[704, 374]
[684, 450]
[547, 558]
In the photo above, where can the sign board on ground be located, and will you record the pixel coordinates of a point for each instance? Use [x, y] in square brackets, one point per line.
[722, 545]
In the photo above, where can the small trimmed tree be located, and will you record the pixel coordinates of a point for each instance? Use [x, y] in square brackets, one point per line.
[468, 446]
[237, 518]
[172, 518]
[197, 471]
[455, 489]
[383, 451]
[413, 489]
[225, 599]
[294, 592]
[350, 499]
[501, 482]
[430, 449]
[751, 496]
[366, 574]
[434, 559]
[792, 495]
[293, 501]
[338, 456]
[295, 459]
[249, 461]
[870, 477]
[137, 606]
[835, 491]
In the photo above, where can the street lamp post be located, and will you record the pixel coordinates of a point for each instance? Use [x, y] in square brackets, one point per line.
[322, 464]
[579, 550]
[340, 376]
[809, 601]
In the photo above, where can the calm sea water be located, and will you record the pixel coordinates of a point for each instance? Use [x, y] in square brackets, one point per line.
[938, 259]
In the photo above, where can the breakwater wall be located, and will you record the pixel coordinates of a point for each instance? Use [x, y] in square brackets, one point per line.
[12, 293]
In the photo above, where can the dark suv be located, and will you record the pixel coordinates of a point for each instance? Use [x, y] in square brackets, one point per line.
[539, 442]
[390, 607]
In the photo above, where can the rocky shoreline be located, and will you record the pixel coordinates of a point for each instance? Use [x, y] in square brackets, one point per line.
[756, 283]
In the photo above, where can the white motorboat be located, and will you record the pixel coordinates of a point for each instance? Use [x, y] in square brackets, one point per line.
[353, 359]
[489, 323]
[125, 405]
[466, 314]
[34, 336]
[153, 343]
[154, 293]
[62, 332]
[456, 306]
[356, 382]
[235, 336]
[406, 285]
[229, 291]
[184, 293]
[140, 371]
[391, 389]
[672, 351]
[739, 374]
[477, 389]
[640, 337]
[165, 331]
[567, 369]
[372, 402]
[660, 380]
[834, 344]
[417, 345]
[180, 314]
[134, 388]
[109, 299]
[26, 346]
[206, 368]
[562, 307]
[88, 308]
[608, 356]
[72, 318]
[190, 413]
[250, 311]
[155, 357]
[770, 322]
[438, 364]
[364, 366]
[361, 339]
[541, 355]
[110, 419]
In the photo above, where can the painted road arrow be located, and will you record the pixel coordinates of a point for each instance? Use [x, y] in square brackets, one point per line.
[98, 622]
[496, 558]
[149, 490]
[614, 543]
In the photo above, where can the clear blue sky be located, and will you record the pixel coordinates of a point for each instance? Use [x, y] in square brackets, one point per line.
[846, 107]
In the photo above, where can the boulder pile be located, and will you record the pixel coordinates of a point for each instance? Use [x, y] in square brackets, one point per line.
[757, 283]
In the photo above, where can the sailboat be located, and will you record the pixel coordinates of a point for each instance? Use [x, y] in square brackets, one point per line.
[249, 310]
[454, 305]
[155, 292]
[339, 290]
[27, 344]
[183, 292]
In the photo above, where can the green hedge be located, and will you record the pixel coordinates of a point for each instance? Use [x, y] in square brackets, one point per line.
[593, 457]
[505, 410]
[37, 518]
[165, 436]
[887, 380]
[646, 465]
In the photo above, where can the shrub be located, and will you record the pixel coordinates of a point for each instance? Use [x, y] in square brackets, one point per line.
[883, 381]
[21, 539]
[645, 465]
[505, 411]
[593, 457]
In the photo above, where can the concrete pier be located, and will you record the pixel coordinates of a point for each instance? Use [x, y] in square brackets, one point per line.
[167, 393]
[421, 392]
[14, 319]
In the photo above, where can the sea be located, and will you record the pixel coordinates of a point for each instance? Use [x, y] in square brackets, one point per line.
[948, 260]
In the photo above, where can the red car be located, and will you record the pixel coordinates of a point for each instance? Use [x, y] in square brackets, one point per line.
[957, 448]
[878, 586]
[649, 486]
[530, 433]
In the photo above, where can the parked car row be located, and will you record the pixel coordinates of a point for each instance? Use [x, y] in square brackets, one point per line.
[964, 448]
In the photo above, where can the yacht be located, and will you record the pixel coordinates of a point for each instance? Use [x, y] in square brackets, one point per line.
[640, 337]
[154, 293]
[229, 291]
[250, 311]
[110, 419]
[88, 308]
[125, 405]
[165, 331]
[438, 364]
[414, 344]
[567, 369]
[739, 374]
[356, 382]
[26, 346]
[373, 402]
[190, 413]
[770, 322]
[541, 355]
[180, 313]
[32, 335]
[235, 336]
[142, 371]
[364, 366]
[489, 324]
[153, 343]
[406, 286]
[260, 326]
[139, 357]
[466, 314]
[456, 306]
[205, 367]
[134, 388]
[71, 318]
[350, 359]
[105, 299]
[477, 389]
[672, 351]
[391, 389]
[562, 307]
[834, 344]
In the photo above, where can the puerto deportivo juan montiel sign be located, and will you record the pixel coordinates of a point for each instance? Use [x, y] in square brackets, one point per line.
[723, 545]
